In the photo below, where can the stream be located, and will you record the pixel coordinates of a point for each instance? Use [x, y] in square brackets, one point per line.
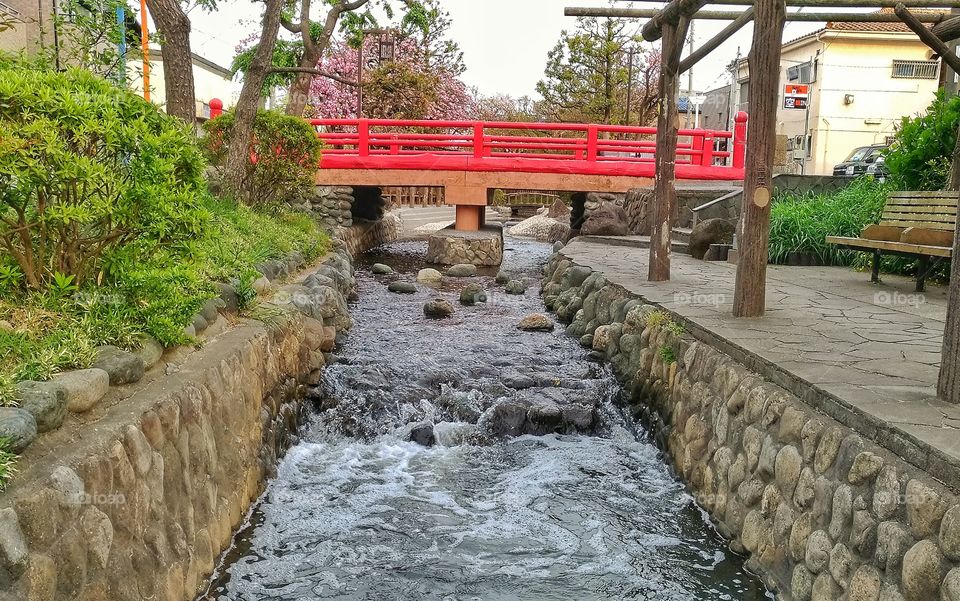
[358, 512]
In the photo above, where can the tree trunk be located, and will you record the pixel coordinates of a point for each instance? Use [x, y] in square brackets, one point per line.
[749, 298]
[246, 110]
[174, 27]
[668, 124]
[313, 49]
[299, 91]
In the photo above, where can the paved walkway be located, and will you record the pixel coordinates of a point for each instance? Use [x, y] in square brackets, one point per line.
[867, 355]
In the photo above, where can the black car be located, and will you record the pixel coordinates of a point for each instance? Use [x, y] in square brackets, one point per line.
[859, 160]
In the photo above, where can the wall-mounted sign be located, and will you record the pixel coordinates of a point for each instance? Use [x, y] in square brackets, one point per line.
[796, 96]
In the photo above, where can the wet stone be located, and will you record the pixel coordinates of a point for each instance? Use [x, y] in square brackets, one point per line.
[402, 287]
[472, 294]
[516, 287]
[438, 308]
[536, 322]
[381, 269]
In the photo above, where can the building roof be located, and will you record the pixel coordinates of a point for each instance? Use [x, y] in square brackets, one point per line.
[895, 27]
[862, 27]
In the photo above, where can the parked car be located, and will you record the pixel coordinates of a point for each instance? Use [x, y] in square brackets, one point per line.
[859, 160]
[878, 169]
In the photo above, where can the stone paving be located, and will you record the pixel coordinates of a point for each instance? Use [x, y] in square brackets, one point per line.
[867, 355]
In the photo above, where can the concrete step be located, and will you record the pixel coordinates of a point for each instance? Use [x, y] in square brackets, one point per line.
[635, 242]
[682, 234]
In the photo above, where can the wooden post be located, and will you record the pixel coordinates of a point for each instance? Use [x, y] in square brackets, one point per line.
[668, 124]
[749, 298]
[948, 385]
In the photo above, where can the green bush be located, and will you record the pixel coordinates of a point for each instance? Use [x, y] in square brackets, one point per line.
[285, 153]
[87, 168]
[800, 224]
[920, 156]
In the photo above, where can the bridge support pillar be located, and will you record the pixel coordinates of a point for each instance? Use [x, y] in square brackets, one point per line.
[470, 218]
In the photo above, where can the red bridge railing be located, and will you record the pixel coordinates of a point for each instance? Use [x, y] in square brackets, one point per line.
[526, 147]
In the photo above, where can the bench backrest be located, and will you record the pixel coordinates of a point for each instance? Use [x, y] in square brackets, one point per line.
[927, 210]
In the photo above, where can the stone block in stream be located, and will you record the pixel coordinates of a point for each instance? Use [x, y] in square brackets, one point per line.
[536, 322]
[472, 294]
[506, 418]
[516, 287]
[438, 308]
[462, 270]
[381, 269]
[544, 417]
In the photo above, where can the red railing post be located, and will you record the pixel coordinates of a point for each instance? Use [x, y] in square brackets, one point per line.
[363, 137]
[707, 145]
[592, 131]
[478, 140]
[395, 145]
[740, 140]
[696, 145]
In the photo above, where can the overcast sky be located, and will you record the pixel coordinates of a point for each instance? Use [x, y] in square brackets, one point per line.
[505, 42]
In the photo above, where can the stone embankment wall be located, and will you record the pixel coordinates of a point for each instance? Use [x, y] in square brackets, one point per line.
[139, 503]
[823, 512]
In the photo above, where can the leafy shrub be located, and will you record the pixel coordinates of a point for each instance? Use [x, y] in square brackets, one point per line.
[158, 297]
[920, 156]
[284, 154]
[86, 168]
[801, 224]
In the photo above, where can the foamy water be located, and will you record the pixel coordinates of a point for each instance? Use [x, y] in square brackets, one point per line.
[358, 513]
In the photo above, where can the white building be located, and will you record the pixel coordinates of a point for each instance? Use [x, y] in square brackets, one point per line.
[863, 78]
[210, 80]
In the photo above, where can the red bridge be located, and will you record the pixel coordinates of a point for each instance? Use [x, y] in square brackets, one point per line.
[471, 159]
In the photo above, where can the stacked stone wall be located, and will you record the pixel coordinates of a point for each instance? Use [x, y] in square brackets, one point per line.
[823, 512]
[141, 502]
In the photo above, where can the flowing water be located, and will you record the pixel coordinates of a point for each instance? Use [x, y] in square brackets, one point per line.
[357, 512]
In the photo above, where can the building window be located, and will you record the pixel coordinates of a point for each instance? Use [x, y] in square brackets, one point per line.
[915, 69]
[804, 73]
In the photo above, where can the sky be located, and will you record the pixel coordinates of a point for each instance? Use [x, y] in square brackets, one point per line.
[505, 42]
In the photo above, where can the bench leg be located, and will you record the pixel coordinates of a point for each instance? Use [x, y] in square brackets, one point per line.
[923, 268]
[875, 275]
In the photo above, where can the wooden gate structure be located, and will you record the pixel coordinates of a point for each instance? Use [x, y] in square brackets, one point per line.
[670, 24]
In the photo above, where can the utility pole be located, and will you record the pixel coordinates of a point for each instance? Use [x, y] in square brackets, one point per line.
[690, 72]
[630, 54]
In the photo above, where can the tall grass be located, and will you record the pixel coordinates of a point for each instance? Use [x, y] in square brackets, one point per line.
[801, 223]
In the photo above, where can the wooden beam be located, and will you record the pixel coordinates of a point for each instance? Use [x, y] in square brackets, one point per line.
[700, 53]
[947, 30]
[927, 36]
[668, 127]
[749, 298]
[649, 13]
[842, 3]
[671, 13]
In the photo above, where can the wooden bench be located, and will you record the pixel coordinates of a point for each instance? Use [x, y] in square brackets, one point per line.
[914, 224]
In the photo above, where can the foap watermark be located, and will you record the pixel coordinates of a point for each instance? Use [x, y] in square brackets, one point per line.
[99, 499]
[898, 299]
[697, 299]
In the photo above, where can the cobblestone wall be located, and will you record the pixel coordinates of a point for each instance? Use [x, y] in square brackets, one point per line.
[142, 502]
[823, 512]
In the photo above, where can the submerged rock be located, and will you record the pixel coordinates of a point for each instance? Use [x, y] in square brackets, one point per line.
[438, 308]
[452, 434]
[402, 288]
[502, 277]
[422, 434]
[517, 287]
[381, 269]
[506, 418]
[536, 322]
[462, 270]
[472, 294]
